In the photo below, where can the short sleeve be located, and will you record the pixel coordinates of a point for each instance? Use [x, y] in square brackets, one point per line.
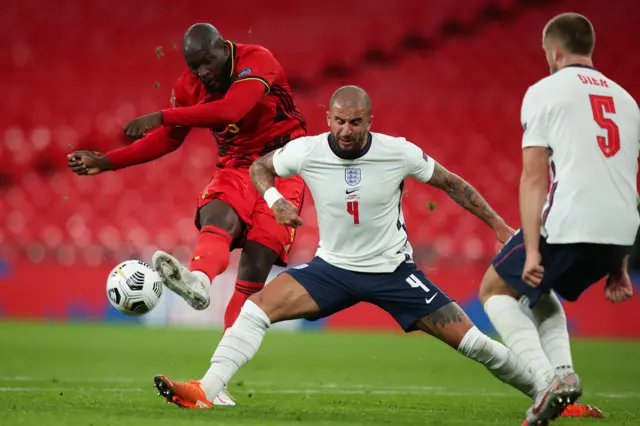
[290, 159]
[533, 116]
[419, 165]
[258, 64]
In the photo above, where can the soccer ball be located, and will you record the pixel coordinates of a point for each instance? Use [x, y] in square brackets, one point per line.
[134, 287]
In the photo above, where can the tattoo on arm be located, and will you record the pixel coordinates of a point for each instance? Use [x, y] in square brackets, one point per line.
[281, 206]
[263, 174]
[463, 193]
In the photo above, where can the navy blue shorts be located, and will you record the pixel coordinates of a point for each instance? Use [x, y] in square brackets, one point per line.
[569, 269]
[406, 294]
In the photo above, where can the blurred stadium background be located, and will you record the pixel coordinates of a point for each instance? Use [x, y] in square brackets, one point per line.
[448, 75]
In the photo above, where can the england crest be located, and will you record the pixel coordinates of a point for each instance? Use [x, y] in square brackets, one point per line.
[352, 175]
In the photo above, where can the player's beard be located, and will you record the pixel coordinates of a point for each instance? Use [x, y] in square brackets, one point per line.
[222, 83]
[359, 144]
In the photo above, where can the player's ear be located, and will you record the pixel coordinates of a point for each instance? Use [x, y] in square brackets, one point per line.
[329, 118]
[556, 52]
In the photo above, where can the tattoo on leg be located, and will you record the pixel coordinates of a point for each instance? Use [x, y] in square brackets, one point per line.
[447, 314]
[436, 323]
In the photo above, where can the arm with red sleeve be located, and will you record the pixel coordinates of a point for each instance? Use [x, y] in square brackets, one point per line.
[257, 69]
[155, 144]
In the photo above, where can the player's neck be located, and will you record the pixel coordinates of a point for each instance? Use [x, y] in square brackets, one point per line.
[575, 60]
[350, 155]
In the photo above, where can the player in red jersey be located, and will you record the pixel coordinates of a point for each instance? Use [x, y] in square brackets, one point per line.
[242, 94]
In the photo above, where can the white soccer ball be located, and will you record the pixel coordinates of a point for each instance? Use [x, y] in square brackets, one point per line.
[134, 287]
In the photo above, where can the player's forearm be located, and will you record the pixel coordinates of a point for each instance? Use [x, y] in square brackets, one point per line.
[533, 192]
[623, 269]
[468, 197]
[262, 176]
[240, 99]
[154, 145]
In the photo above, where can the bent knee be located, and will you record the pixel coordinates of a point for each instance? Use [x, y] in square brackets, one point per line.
[493, 285]
[270, 305]
[221, 215]
[258, 300]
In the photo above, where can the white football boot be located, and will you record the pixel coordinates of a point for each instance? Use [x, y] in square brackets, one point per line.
[224, 398]
[193, 287]
[551, 402]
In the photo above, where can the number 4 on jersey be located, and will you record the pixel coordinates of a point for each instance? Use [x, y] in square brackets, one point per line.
[599, 105]
[352, 209]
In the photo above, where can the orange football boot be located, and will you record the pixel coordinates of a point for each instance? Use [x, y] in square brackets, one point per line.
[184, 395]
[582, 410]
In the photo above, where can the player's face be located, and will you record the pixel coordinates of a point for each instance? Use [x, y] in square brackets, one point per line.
[209, 66]
[349, 127]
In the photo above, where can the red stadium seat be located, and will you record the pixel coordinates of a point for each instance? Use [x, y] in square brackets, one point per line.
[79, 70]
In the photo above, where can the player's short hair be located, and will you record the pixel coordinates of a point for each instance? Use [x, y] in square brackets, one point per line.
[573, 31]
[351, 93]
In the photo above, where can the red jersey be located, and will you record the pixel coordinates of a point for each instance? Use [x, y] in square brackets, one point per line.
[269, 125]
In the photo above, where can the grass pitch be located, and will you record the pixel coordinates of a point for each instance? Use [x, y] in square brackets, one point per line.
[95, 374]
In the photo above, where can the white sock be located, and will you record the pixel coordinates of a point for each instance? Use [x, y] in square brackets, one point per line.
[520, 335]
[238, 345]
[498, 360]
[551, 322]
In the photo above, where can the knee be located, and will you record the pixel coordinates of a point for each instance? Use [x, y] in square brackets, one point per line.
[254, 269]
[549, 306]
[256, 262]
[261, 302]
[256, 298]
[207, 219]
[493, 285]
[220, 215]
[487, 287]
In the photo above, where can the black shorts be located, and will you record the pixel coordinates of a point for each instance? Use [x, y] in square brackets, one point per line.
[569, 269]
[406, 294]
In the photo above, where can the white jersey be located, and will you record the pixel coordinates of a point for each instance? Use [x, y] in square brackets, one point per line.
[358, 201]
[592, 127]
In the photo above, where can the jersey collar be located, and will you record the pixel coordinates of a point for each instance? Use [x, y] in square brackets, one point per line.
[362, 152]
[232, 48]
[580, 66]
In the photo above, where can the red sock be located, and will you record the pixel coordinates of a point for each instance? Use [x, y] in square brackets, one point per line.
[211, 254]
[243, 290]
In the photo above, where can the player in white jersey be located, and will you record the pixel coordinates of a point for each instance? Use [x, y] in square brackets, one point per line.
[356, 179]
[585, 128]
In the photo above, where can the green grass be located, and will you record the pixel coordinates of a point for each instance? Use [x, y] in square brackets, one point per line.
[61, 374]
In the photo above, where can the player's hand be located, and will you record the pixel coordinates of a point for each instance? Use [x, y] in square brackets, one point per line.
[137, 127]
[533, 271]
[504, 232]
[618, 288]
[88, 163]
[286, 213]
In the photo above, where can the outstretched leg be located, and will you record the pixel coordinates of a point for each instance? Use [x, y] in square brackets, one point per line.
[452, 325]
[283, 299]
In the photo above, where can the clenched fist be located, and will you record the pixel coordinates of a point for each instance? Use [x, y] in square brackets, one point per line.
[88, 163]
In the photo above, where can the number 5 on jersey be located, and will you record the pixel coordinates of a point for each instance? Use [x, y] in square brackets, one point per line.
[599, 105]
[352, 209]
